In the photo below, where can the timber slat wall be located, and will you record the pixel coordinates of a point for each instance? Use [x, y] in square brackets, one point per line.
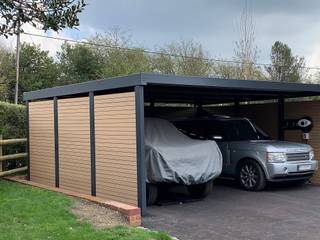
[115, 133]
[74, 144]
[302, 109]
[41, 140]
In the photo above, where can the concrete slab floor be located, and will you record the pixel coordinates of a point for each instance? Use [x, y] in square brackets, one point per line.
[280, 212]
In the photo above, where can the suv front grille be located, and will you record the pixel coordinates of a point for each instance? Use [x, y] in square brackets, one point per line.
[298, 156]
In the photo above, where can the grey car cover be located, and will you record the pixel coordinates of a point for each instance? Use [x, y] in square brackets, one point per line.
[173, 157]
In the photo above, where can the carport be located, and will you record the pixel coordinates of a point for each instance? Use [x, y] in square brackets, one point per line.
[89, 137]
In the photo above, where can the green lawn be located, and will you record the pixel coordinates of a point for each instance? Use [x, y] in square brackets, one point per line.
[32, 213]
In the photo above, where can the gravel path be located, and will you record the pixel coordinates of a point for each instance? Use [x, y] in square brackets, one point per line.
[97, 215]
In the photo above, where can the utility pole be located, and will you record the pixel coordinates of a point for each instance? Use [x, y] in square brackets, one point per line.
[17, 66]
[16, 96]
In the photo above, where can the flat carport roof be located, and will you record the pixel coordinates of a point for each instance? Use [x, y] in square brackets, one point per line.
[186, 89]
[174, 88]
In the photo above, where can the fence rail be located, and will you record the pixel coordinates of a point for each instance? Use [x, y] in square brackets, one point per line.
[11, 157]
[12, 141]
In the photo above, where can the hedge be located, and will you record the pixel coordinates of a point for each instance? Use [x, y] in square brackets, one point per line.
[12, 125]
[12, 120]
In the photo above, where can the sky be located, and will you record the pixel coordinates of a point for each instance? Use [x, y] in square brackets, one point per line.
[213, 23]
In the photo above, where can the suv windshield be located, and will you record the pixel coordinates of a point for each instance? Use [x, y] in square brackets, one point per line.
[239, 130]
[222, 130]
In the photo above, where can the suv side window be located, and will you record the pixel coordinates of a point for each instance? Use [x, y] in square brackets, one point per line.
[239, 130]
[215, 129]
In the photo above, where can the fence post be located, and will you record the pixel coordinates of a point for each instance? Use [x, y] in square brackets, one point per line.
[1, 153]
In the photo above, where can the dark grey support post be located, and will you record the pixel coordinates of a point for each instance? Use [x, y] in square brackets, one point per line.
[56, 141]
[151, 108]
[236, 108]
[28, 141]
[92, 145]
[141, 166]
[280, 118]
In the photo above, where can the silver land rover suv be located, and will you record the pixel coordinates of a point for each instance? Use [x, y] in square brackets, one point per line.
[249, 154]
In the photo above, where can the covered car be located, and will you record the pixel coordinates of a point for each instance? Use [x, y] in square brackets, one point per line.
[173, 157]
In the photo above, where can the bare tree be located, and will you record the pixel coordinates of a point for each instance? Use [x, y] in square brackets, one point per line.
[246, 51]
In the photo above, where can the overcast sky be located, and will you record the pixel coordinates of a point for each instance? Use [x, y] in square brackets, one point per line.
[213, 23]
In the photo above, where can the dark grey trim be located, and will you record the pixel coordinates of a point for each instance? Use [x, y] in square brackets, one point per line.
[56, 142]
[141, 167]
[280, 118]
[85, 87]
[235, 84]
[295, 89]
[92, 145]
[28, 140]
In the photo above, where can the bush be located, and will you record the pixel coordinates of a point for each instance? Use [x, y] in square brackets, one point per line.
[12, 120]
[12, 125]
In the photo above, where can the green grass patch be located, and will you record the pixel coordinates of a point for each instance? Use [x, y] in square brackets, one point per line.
[33, 213]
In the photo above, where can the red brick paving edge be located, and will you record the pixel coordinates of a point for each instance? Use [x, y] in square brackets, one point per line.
[131, 213]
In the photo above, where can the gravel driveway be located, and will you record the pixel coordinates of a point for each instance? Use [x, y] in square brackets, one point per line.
[280, 212]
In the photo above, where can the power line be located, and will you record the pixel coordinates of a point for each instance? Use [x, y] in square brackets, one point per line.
[157, 53]
[128, 49]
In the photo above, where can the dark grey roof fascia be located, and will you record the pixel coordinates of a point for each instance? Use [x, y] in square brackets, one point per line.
[90, 86]
[173, 80]
[258, 85]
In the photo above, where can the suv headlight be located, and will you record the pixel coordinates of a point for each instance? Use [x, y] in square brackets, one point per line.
[311, 155]
[276, 157]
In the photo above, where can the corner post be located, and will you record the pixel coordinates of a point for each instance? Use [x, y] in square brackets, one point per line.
[92, 145]
[141, 166]
[280, 118]
[28, 140]
[56, 141]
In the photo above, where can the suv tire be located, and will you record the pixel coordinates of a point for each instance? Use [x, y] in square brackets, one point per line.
[152, 193]
[251, 176]
[200, 190]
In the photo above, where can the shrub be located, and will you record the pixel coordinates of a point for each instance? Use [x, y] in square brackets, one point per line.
[12, 125]
[12, 120]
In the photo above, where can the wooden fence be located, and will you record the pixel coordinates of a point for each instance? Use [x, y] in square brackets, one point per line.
[11, 157]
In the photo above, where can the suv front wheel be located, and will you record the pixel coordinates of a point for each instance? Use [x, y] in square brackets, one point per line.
[251, 176]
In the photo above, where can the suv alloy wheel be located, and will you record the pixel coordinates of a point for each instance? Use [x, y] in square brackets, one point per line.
[251, 176]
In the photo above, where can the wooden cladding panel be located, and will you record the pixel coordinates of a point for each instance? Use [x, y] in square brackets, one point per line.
[41, 137]
[115, 132]
[74, 144]
[297, 110]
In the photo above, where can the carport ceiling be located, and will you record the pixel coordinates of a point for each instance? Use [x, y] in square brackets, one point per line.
[187, 89]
